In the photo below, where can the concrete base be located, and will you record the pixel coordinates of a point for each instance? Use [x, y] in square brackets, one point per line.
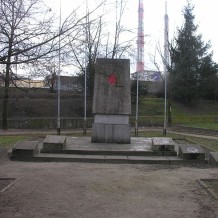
[191, 152]
[54, 142]
[3, 154]
[80, 149]
[213, 159]
[163, 144]
[111, 133]
[25, 148]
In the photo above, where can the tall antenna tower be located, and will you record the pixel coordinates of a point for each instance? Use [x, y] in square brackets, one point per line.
[140, 41]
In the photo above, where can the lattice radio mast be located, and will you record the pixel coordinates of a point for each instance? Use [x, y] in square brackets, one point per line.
[140, 41]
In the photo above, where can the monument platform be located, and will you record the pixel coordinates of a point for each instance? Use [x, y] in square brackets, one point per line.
[213, 159]
[80, 149]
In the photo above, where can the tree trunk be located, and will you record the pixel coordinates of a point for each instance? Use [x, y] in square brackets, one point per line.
[5, 99]
[169, 121]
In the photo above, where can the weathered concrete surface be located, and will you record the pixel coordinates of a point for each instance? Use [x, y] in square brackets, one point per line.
[54, 142]
[112, 98]
[25, 148]
[111, 101]
[106, 190]
[111, 119]
[163, 144]
[111, 133]
[191, 151]
[3, 154]
[213, 159]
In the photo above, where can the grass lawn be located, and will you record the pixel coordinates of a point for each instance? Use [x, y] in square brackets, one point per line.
[208, 143]
[203, 125]
[9, 141]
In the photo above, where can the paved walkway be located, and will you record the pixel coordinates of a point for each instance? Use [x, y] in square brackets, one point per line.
[82, 190]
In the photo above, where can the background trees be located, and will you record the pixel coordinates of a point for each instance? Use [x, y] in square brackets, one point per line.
[193, 73]
[28, 35]
[21, 39]
[97, 40]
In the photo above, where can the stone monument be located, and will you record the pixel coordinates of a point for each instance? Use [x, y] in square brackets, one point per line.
[111, 101]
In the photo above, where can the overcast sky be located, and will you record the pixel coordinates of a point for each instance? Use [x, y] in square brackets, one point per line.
[205, 12]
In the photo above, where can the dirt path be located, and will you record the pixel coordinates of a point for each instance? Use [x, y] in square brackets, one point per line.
[105, 190]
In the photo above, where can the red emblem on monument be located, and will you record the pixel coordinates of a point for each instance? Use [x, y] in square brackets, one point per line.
[112, 79]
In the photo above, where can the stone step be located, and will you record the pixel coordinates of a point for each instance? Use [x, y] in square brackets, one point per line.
[191, 152]
[110, 152]
[25, 148]
[213, 159]
[3, 154]
[102, 159]
[53, 142]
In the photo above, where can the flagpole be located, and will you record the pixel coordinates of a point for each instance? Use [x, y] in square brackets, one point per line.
[166, 57]
[85, 77]
[59, 72]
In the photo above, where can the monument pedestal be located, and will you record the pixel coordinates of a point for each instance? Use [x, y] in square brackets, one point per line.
[111, 129]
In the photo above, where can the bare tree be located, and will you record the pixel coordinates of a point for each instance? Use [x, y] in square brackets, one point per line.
[97, 40]
[28, 34]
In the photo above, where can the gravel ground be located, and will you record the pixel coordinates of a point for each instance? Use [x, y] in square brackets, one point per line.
[106, 190]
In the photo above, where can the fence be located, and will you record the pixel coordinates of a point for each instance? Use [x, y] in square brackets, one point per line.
[74, 123]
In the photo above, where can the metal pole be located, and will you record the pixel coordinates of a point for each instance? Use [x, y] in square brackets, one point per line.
[165, 68]
[137, 104]
[85, 119]
[140, 58]
[85, 77]
[59, 72]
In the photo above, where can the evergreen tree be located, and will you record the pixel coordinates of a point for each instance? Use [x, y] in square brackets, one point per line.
[208, 80]
[190, 60]
[142, 89]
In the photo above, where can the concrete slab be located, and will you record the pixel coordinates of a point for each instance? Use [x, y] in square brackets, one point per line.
[54, 142]
[3, 154]
[80, 149]
[84, 143]
[163, 144]
[213, 159]
[191, 152]
[111, 133]
[100, 159]
[111, 119]
[25, 148]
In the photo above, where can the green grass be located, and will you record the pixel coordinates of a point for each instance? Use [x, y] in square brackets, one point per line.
[9, 141]
[211, 144]
[208, 143]
[203, 125]
[155, 106]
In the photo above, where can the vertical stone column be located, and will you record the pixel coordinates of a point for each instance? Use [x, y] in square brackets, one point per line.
[111, 101]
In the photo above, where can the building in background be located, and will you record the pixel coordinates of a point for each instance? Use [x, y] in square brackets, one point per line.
[147, 75]
[23, 82]
[152, 79]
[68, 83]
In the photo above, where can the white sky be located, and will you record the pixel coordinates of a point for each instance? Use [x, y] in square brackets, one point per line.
[205, 12]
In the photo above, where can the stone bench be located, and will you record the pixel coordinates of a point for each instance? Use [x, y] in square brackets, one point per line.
[163, 144]
[3, 154]
[213, 159]
[54, 142]
[25, 148]
[191, 152]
